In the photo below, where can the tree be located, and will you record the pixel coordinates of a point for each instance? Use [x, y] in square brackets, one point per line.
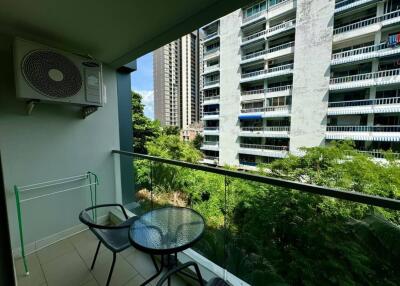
[144, 129]
[197, 141]
[170, 130]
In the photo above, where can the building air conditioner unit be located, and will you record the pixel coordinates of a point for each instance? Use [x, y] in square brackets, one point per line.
[50, 75]
[271, 62]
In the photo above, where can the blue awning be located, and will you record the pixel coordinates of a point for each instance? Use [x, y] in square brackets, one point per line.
[250, 117]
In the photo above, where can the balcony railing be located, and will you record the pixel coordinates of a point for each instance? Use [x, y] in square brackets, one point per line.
[376, 128]
[281, 47]
[254, 16]
[211, 35]
[251, 92]
[253, 36]
[359, 51]
[264, 147]
[207, 128]
[212, 158]
[211, 82]
[365, 76]
[210, 52]
[251, 110]
[253, 55]
[254, 73]
[379, 154]
[207, 98]
[272, 210]
[282, 27]
[266, 129]
[363, 102]
[279, 88]
[211, 68]
[266, 109]
[280, 68]
[210, 143]
[277, 4]
[365, 23]
[267, 71]
[210, 113]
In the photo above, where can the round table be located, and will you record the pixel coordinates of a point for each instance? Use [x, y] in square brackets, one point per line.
[166, 231]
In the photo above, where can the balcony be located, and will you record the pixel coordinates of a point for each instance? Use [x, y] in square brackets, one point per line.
[268, 131]
[364, 27]
[210, 54]
[281, 7]
[254, 37]
[270, 111]
[210, 115]
[253, 57]
[210, 145]
[380, 78]
[346, 5]
[211, 36]
[210, 160]
[254, 18]
[209, 84]
[388, 133]
[210, 69]
[360, 54]
[268, 73]
[264, 150]
[280, 51]
[211, 130]
[210, 100]
[285, 90]
[283, 27]
[365, 106]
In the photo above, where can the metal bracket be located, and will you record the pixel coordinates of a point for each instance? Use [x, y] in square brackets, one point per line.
[87, 110]
[30, 105]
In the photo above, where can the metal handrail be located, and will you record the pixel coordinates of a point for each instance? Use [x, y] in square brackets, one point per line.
[281, 47]
[277, 108]
[250, 92]
[211, 128]
[209, 52]
[264, 147]
[288, 185]
[366, 22]
[343, 3]
[378, 153]
[375, 128]
[280, 68]
[254, 73]
[250, 110]
[211, 143]
[205, 98]
[359, 51]
[283, 26]
[363, 102]
[253, 55]
[253, 36]
[279, 88]
[266, 129]
[365, 76]
[211, 68]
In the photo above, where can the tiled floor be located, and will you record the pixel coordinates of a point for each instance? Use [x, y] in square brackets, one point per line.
[68, 263]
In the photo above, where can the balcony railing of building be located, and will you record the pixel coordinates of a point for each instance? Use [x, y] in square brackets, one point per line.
[207, 98]
[222, 242]
[253, 110]
[254, 16]
[266, 109]
[211, 82]
[211, 143]
[253, 36]
[365, 76]
[340, 5]
[210, 52]
[279, 88]
[365, 52]
[253, 55]
[282, 27]
[264, 147]
[268, 71]
[281, 47]
[211, 113]
[363, 102]
[209, 36]
[211, 68]
[211, 158]
[266, 129]
[252, 92]
[213, 128]
[375, 128]
[367, 22]
[277, 4]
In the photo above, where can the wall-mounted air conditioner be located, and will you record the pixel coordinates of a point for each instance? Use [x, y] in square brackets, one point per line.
[50, 75]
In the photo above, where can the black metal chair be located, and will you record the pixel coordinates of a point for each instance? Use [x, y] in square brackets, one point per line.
[114, 237]
[213, 282]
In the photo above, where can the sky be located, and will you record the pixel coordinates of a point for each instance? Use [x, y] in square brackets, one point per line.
[142, 83]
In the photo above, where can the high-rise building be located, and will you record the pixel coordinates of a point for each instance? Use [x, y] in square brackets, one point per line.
[279, 75]
[176, 82]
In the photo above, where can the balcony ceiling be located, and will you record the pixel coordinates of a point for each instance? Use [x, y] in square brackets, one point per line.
[115, 32]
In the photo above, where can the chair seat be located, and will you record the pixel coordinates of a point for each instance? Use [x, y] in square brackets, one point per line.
[115, 239]
[217, 282]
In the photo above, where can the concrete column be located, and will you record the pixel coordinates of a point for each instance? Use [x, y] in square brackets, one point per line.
[230, 89]
[313, 49]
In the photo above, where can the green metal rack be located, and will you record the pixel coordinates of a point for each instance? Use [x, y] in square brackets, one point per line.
[93, 182]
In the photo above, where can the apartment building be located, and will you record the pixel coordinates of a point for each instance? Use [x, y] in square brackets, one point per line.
[279, 75]
[176, 82]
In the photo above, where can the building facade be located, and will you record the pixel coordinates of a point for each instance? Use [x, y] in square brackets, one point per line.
[176, 82]
[279, 75]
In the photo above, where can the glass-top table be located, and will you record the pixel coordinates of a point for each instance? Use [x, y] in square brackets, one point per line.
[166, 231]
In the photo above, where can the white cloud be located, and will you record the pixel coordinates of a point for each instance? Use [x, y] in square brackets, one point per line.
[148, 101]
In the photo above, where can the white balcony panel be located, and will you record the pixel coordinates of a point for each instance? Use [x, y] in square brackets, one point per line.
[252, 95]
[210, 117]
[364, 136]
[210, 69]
[281, 8]
[280, 53]
[355, 33]
[211, 37]
[211, 54]
[211, 131]
[257, 75]
[268, 132]
[277, 111]
[275, 30]
[263, 152]
[211, 146]
[258, 56]
[280, 70]
[347, 5]
[211, 85]
[381, 78]
[211, 101]
[388, 105]
[279, 91]
[254, 37]
[364, 53]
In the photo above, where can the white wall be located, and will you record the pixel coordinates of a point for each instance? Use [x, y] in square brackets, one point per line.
[53, 142]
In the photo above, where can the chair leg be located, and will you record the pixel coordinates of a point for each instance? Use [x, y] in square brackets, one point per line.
[154, 262]
[112, 269]
[95, 256]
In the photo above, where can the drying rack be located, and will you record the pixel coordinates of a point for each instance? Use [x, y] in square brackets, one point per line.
[89, 177]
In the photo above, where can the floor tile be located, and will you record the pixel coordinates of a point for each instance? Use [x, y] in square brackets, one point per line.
[36, 276]
[53, 251]
[142, 263]
[68, 269]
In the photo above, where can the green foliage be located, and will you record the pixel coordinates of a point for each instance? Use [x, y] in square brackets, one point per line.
[197, 141]
[170, 130]
[144, 129]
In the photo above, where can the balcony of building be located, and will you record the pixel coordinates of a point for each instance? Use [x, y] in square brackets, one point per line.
[273, 151]
[281, 28]
[211, 130]
[253, 37]
[210, 145]
[253, 56]
[386, 133]
[365, 106]
[211, 100]
[211, 36]
[365, 53]
[280, 50]
[363, 27]
[254, 13]
[210, 69]
[269, 111]
[267, 131]
[380, 78]
[210, 53]
[347, 5]
[278, 8]
[279, 70]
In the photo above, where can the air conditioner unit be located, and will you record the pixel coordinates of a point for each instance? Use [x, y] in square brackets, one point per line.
[271, 62]
[50, 75]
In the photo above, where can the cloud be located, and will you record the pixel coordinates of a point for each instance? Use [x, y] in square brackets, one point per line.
[148, 101]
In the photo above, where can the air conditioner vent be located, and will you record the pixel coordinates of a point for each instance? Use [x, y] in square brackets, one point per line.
[51, 74]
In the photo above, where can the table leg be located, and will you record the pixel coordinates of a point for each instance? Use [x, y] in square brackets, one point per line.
[156, 274]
